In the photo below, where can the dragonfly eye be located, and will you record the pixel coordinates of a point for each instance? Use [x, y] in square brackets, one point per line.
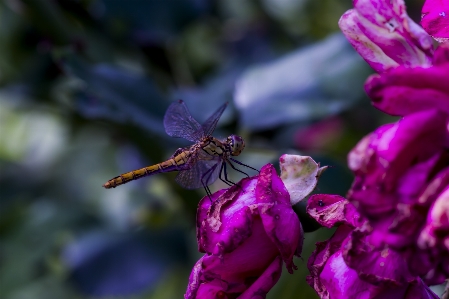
[237, 144]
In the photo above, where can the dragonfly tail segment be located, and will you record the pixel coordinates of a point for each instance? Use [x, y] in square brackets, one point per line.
[176, 163]
[132, 175]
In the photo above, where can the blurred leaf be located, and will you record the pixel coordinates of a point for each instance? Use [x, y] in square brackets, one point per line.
[117, 94]
[49, 18]
[106, 264]
[40, 228]
[315, 82]
[154, 17]
[251, 47]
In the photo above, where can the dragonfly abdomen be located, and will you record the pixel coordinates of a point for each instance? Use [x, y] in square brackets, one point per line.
[176, 163]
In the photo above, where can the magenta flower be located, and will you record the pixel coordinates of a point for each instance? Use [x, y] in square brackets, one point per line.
[246, 232]
[402, 169]
[348, 266]
[403, 91]
[402, 172]
[383, 34]
[435, 19]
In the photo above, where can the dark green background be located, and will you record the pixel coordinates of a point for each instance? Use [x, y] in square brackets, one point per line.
[83, 89]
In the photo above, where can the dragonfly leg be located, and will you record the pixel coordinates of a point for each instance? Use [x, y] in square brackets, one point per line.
[208, 193]
[243, 164]
[235, 168]
[205, 184]
[225, 180]
[226, 175]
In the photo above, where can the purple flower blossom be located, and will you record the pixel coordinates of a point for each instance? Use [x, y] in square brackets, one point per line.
[402, 172]
[383, 34]
[402, 169]
[246, 232]
[348, 266]
[435, 19]
[402, 90]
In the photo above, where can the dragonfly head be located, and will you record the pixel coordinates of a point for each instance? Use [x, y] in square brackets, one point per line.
[236, 143]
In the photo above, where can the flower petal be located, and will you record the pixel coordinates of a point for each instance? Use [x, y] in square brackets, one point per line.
[441, 56]
[341, 282]
[383, 34]
[230, 273]
[379, 267]
[300, 175]
[319, 258]
[236, 266]
[368, 49]
[435, 19]
[403, 91]
[437, 222]
[330, 210]
[276, 214]
[218, 240]
[265, 282]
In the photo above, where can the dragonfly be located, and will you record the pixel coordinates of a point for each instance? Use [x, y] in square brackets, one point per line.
[200, 164]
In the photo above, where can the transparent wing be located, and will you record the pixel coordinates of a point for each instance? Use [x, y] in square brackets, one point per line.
[202, 171]
[179, 123]
[210, 124]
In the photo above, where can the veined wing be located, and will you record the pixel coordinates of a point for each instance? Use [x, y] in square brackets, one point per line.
[203, 171]
[179, 123]
[210, 124]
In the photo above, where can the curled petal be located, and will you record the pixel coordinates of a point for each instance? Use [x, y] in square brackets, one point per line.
[265, 282]
[437, 222]
[340, 281]
[201, 216]
[276, 214]
[368, 49]
[270, 188]
[435, 19]
[238, 223]
[441, 56]
[379, 267]
[330, 210]
[344, 282]
[425, 132]
[403, 91]
[383, 34]
[319, 258]
[194, 280]
[300, 175]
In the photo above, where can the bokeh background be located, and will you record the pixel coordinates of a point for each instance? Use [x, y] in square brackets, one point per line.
[84, 85]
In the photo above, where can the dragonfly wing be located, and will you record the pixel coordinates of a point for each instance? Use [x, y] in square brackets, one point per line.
[179, 123]
[210, 124]
[202, 172]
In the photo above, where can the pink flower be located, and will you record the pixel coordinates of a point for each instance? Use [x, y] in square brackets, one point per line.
[402, 172]
[348, 266]
[402, 169]
[435, 19]
[383, 34]
[246, 232]
[402, 90]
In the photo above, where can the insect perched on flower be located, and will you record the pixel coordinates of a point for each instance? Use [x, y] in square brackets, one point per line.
[200, 164]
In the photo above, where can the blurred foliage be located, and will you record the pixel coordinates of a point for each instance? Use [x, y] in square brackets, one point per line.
[84, 85]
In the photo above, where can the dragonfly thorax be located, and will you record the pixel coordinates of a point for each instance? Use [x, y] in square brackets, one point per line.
[236, 144]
